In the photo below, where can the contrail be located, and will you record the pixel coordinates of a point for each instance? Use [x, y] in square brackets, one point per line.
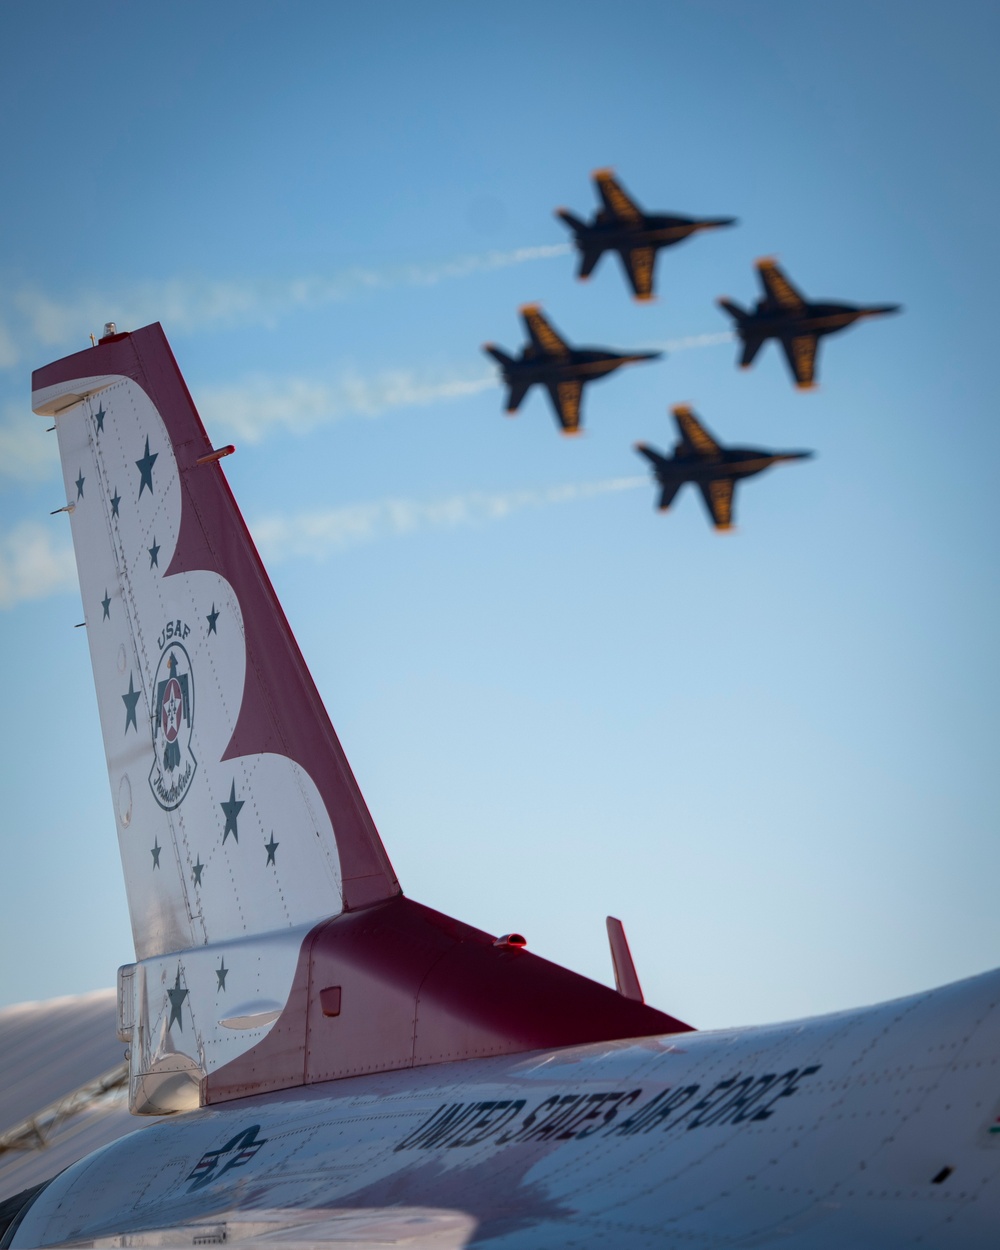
[316, 535]
[253, 408]
[190, 304]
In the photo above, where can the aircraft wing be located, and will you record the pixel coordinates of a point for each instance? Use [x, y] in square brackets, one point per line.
[615, 200]
[566, 401]
[638, 262]
[718, 497]
[778, 288]
[801, 353]
[694, 437]
[541, 333]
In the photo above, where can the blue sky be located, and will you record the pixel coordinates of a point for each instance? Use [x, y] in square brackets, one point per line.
[773, 754]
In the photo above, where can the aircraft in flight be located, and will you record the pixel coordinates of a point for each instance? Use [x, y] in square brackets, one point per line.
[622, 226]
[547, 359]
[700, 458]
[784, 313]
[341, 1065]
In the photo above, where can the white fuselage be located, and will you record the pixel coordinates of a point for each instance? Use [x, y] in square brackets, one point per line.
[872, 1128]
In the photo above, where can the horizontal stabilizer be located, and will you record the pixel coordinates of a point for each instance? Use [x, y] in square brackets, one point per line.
[751, 346]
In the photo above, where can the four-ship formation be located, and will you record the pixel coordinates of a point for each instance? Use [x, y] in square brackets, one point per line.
[782, 313]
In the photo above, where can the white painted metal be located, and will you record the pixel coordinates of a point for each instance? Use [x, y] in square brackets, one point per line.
[215, 919]
[864, 1110]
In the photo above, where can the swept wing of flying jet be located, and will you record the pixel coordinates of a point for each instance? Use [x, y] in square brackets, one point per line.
[548, 360]
[343, 1066]
[700, 458]
[620, 225]
[784, 313]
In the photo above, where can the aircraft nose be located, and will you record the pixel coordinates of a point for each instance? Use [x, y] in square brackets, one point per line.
[710, 223]
[879, 310]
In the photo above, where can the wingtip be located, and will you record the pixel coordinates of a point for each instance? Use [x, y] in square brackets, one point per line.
[807, 386]
[606, 171]
[645, 299]
[680, 409]
[534, 306]
[725, 529]
[571, 433]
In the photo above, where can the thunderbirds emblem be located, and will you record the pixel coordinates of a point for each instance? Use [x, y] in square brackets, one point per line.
[173, 719]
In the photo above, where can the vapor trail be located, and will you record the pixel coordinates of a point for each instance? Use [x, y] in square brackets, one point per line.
[316, 535]
[190, 304]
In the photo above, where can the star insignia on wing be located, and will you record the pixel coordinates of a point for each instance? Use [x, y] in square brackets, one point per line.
[79, 484]
[222, 972]
[212, 617]
[177, 997]
[197, 868]
[131, 701]
[271, 847]
[154, 554]
[155, 852]
[232, 809]
[106, 605]
[99, 416]
[145, 467]
[115, 501]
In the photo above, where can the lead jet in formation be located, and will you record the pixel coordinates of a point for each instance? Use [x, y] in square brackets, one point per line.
[563, 370]
[714, 469]
[783, 313]
[621, 226]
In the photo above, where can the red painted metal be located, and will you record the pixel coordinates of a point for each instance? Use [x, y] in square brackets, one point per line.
[420, 988]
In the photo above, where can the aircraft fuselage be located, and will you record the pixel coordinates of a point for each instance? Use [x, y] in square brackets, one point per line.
[583, 364]
[653, 231]
[769, 320]
[736, 462]
[876, 1127]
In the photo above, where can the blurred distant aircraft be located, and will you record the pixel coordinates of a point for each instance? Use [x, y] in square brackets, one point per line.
[714, 469]
[561, 369]
[623, 227]
[786, 315]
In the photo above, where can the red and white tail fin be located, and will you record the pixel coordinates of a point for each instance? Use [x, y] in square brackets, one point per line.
[274, 947]
[238, 814]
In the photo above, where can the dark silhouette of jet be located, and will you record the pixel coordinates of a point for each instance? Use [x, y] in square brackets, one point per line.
[623, 227]
[561, 369]
[783, 313]
[714, 469]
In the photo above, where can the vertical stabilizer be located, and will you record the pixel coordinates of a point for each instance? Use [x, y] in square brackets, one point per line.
[238, 815]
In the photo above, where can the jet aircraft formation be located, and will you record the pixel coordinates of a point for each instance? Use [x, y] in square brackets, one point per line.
[782, 313]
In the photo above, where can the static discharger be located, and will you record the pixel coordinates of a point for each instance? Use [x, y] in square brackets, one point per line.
[217, 454]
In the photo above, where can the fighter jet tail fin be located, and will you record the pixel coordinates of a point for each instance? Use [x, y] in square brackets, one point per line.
[738, 314]
[571, 220]
[503, 360]
[239, 821]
